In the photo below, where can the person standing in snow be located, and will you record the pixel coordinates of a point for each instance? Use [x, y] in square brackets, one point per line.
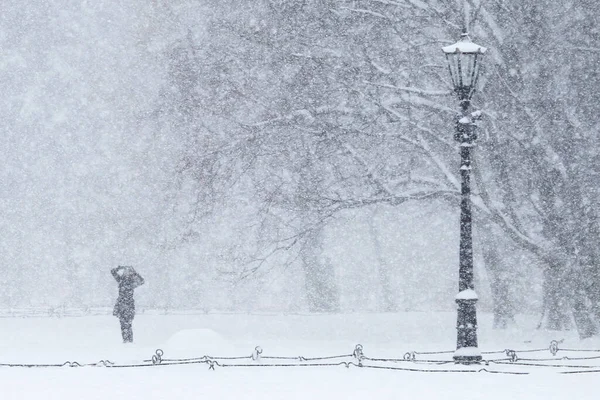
[128, 279]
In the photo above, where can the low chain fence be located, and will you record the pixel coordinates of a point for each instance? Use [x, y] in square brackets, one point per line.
[507, 361]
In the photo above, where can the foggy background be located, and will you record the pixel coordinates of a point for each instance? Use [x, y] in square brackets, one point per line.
[296, 156]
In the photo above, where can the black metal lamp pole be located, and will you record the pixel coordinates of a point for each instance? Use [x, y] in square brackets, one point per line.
[464, 59]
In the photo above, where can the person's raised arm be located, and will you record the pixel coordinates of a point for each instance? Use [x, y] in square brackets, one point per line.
[115, 273]
[138, 279]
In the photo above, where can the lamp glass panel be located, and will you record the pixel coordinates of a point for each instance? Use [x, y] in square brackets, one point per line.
[453, 66]
[467, 62]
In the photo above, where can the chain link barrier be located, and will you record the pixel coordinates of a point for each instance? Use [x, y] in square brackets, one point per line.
[427, 361]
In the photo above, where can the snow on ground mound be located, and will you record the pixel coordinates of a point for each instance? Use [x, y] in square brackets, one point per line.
[197, 343]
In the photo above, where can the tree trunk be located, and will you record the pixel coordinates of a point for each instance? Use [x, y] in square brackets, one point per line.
[582, 316]
[389, 303]
[319, 277]
[585, 325]
[592, 286]
[554, 304]
[503, 309]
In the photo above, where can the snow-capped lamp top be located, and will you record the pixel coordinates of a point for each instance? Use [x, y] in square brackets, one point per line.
[464, 45]
[464, 59]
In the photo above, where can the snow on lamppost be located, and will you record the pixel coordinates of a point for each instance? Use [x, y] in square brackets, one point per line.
[464, 59]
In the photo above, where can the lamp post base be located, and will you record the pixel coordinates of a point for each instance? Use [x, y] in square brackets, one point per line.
[467, 349]
[467, 355]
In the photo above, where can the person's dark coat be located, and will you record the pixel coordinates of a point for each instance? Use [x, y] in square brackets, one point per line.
[129, 280]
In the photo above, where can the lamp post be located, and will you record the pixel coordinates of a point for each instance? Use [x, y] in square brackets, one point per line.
[464, 59]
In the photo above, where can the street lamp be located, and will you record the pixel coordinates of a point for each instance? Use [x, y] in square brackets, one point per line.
[464, 59]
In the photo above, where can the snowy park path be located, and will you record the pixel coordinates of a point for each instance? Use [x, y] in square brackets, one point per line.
[392, 336]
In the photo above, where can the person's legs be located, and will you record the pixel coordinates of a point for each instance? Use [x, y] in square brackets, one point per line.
[126, 331]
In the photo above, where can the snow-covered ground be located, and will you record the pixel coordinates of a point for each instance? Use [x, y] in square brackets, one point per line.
[93, 338]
